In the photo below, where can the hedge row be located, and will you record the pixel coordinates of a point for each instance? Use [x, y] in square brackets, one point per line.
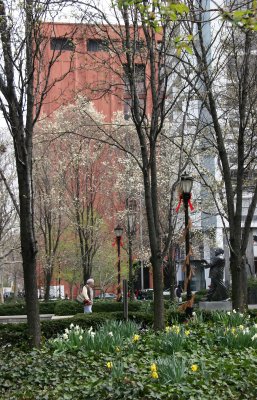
[45, 307]
[67, 307]
[18, 335]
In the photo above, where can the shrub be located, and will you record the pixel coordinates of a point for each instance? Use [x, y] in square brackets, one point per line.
[72, 307]
[19, 308]
[13, 309]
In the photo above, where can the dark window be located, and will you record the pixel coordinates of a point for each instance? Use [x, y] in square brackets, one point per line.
[139, 78]
[62, 44]
[96, 45]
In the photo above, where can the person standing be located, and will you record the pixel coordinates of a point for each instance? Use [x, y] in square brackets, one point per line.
[88, 294]
[178, 293]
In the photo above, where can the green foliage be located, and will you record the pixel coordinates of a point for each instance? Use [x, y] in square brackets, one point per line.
[172, 340]
[252, 282]
[238, 337]
[13, 309]
[171, 369]
[108, 338]
[45, 307]
[230, 318]
[243, 19]
[73, 307]
[202, 368]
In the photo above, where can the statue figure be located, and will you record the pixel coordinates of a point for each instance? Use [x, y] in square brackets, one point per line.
[217, 289]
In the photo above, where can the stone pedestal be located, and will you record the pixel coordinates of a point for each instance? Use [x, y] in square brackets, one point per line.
[215, 305]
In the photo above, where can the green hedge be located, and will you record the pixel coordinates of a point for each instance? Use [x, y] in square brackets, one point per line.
[73, 307]
[45, 307]
[17, 334]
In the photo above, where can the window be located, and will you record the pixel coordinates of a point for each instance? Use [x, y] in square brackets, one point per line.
[96, 45]
[139, 75]
[62, 44]
[128, 105]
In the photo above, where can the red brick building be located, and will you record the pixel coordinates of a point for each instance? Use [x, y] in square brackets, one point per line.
[89, 61]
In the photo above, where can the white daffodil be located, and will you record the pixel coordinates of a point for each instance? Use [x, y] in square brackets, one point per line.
[90, 329]
[65, 336]
[255, 326]
[80, 337]
[254, 336]
[71, 325]
[194, 313]
[228, 313]
[67, 330]
[241, 315]
[77, 327]
[110, 334]
[92, 334]
[234, 311]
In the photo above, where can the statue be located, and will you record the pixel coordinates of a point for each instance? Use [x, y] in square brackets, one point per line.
[217, 289]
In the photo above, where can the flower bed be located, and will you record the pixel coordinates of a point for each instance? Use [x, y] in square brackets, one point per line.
[196, 360]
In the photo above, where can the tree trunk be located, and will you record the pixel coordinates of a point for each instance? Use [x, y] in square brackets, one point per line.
[28, 251]
[156, 258]
[48, 278]
[239, 282]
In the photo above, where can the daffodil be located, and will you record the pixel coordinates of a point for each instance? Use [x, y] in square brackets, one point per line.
[154, 375]
[153, 367]
[135, 338]
[194, 367]
[109, 365]
[228, 313]
[71, 325]
[110, 334]
[65, 336]
[187, 332]
[80, 337]
[176, 329]
[167, 329]
[117, 349]
[241, 327]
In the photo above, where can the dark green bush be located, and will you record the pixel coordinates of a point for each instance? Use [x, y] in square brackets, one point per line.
[73, 307]
[45, 307]
[68, 308]
[13, 309]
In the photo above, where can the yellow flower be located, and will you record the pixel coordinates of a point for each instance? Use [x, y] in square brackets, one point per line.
[241, 327]
[109, 364]
[135, 338]
[167, 329]
[117, 349]
[233, 330]
[187, 333]
[176, 329]
[153, 367]
[154, 375]
[194, 367]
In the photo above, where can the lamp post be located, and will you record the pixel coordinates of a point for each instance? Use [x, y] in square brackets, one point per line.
[186, 183]
[131, 205]
[118, 233]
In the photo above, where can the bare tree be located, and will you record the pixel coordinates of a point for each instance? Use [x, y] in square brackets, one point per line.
[24, 83]
[222, 75]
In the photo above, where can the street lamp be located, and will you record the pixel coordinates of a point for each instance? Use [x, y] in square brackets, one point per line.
[118, 233]
[131, 233]
[186, 183]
